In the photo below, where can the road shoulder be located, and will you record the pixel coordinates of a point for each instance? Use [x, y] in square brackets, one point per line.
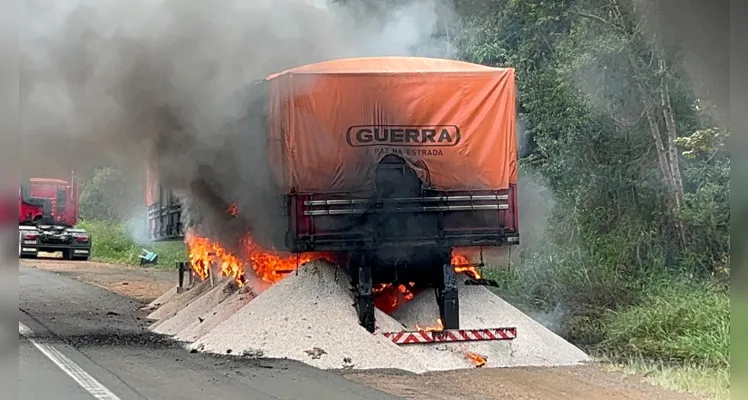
[141, 284]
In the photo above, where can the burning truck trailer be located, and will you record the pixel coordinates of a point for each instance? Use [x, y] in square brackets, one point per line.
[389, 164]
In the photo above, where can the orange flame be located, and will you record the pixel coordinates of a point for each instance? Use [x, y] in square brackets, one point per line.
[477, 359]
[434, 328]
[462, 266]
[233, 210]
[270, 266]
[387, 297]
[203, 253]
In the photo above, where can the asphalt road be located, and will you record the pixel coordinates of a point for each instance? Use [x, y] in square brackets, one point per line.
[40, 378]
[78, 341]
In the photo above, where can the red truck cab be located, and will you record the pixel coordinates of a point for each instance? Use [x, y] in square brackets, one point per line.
[60, 195]
[48, 210]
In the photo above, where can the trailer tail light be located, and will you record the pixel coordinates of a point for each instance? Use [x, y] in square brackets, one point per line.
[81, 238]
[29, 236]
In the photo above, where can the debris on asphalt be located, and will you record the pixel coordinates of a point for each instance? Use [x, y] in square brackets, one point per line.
[253, 353]
[316, 353]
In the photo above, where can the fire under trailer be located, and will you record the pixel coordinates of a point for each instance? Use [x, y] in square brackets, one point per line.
[47, 215]
[391, 163]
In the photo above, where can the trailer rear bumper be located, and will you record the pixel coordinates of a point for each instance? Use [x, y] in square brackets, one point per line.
[74, 251]
[27, 251]
[451, 335]
[345, 243]
[74, 243]
[339, 222]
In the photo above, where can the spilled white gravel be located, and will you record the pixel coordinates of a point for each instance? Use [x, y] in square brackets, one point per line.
[310, 317]
[179, 301]
[535, 345]
[195, 310]
[214, 317]
[307, 317]
[163, 299]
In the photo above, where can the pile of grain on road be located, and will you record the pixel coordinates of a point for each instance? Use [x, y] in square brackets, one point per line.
[535, 345]
[195, 310]
[214, 317]
[310, 317]
[307, 317]
[163, 299]
[180, 301]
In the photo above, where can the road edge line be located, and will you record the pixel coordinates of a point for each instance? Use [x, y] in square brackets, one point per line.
[83, 378]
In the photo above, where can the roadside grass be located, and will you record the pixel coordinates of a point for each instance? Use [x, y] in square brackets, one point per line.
[712, 383]
[113, 243]
[678, 337]
[674, 322]
[669, 326]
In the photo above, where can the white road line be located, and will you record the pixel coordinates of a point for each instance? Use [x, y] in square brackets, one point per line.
[84, 379]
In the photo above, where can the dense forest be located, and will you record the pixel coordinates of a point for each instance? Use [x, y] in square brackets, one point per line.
[637, 245]
[632, 258]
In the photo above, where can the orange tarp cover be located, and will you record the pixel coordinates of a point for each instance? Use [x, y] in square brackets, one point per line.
[453, 122]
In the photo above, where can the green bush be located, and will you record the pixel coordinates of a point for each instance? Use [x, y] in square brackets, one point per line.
[675, 321]
[109, 195]
[610, 312]
[112, 243]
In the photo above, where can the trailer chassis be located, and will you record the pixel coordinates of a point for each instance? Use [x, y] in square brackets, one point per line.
[366, 269]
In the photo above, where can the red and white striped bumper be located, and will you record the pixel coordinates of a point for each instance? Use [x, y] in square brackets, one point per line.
[452, 335]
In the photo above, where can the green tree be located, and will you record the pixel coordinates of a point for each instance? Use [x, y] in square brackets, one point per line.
[108, 196]
[637, 170]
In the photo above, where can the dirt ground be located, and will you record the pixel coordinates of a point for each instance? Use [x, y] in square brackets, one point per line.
[143, 284]
[590, 382]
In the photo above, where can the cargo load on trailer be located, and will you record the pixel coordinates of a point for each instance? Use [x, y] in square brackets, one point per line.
[388, 162]
[47, 214]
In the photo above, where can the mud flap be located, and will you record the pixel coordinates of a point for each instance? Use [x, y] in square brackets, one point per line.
[365, 298]
[446, 297]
